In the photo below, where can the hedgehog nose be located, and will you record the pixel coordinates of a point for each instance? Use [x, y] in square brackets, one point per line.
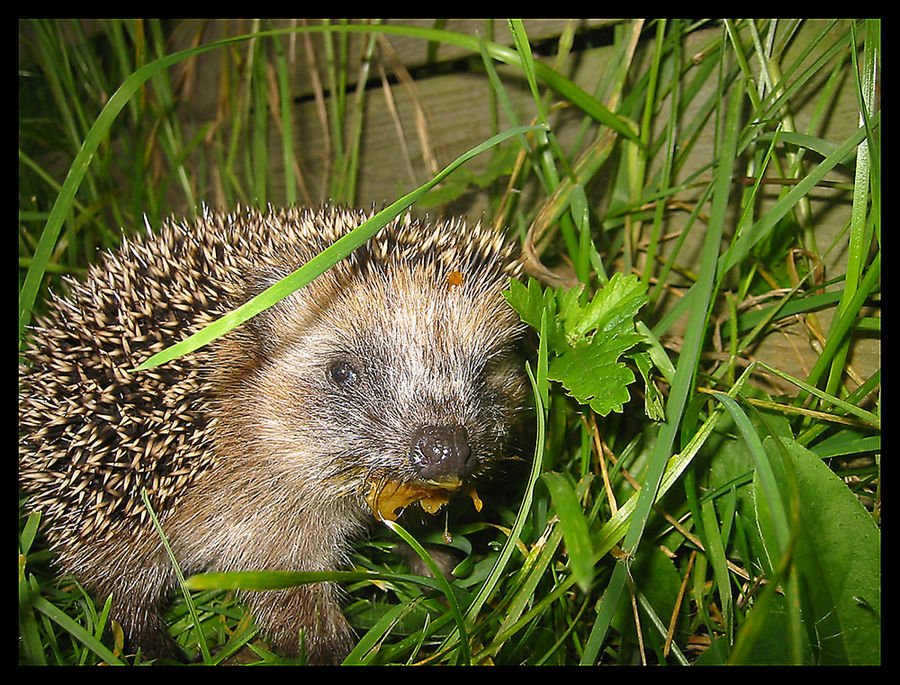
[440, 452]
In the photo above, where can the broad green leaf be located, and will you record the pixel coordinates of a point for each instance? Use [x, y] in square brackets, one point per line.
[587, 338]
[614, 306]
[837, 555]
[528, 301]
[593, 374]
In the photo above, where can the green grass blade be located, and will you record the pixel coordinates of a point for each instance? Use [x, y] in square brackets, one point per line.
[487, 588]
[715, 550]
[759, 230]
[192, 609]
[763, 469]
[60, 618]
[285, 100]
[844, 322]
[362, 652]
[574, 528]
[444, 586]
[279, 580]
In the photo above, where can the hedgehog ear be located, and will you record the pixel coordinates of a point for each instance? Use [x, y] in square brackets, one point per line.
[255, 283]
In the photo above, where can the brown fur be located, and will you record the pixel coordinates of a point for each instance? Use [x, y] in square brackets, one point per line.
[257, 450]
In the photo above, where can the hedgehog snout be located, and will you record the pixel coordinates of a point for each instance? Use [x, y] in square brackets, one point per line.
[441, 452]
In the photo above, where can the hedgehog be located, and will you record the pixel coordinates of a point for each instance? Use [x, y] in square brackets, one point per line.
[392, 379]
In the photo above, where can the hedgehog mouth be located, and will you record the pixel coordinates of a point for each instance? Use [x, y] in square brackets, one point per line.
[387, 498]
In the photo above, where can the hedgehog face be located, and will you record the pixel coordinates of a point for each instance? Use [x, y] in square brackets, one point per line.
[399, 378]
[415, 405]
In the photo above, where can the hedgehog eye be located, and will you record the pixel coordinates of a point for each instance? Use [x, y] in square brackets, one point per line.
[342, 372]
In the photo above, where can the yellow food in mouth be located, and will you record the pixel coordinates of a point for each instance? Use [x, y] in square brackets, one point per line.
[386, 498]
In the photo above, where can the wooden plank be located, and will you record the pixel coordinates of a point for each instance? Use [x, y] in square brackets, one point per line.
[307, 52]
